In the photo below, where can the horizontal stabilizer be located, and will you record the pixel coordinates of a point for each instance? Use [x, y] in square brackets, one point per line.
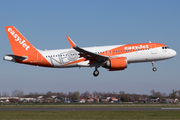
[13, 58]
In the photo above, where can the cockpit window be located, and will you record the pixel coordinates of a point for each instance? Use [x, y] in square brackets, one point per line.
[165, 47]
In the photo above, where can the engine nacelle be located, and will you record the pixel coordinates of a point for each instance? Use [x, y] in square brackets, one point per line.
[113, 64]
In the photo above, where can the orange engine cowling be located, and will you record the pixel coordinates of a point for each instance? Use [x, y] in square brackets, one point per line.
[113, 64]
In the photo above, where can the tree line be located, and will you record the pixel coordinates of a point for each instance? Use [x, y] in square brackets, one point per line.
[76, 95]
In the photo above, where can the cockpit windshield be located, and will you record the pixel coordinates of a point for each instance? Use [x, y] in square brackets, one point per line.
[165, 47]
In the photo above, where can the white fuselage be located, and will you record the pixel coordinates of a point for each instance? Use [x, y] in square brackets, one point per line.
[59, 58]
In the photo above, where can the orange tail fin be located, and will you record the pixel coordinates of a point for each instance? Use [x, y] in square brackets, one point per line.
[24, 52]
[19, 44]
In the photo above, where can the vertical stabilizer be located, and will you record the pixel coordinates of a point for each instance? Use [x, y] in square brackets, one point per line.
[19, 44]
[24, 52]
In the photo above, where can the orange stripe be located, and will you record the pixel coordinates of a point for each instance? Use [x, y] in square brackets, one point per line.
[129, 48]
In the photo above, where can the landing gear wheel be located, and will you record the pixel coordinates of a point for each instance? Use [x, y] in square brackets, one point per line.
[154, 69]
[96, 73]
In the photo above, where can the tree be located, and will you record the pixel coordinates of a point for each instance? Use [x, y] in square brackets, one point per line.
[49, 94]
[61, 94]
[178, 93]
[159, 95]
[153, 93]
[18, 93]
[85, 95]
[96, 94]
[173, 94]
[164, 95]
[5, 94]
[121, 92]
[74, 96]
[122, 96]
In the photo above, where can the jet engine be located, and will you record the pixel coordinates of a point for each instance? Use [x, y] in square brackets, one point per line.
[114, 64]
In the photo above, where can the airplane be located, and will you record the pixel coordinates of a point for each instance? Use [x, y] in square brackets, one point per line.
[113, 58]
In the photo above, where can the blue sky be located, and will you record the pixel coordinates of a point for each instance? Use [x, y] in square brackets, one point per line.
[91, 23]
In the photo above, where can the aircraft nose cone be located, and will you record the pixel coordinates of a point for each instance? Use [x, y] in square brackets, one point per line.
[174, 53]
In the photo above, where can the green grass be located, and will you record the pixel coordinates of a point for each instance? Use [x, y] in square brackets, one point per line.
[90, 115]
[52, 105]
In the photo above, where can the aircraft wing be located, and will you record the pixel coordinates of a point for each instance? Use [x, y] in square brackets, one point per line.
[87, 54]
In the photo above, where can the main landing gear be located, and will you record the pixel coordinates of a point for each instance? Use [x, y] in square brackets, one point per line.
[96, 73]
[154, 68]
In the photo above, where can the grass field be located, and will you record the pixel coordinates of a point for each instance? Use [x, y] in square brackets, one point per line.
[89, 115]
[56, 105]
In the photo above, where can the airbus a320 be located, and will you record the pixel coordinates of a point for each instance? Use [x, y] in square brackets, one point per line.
[113, 58]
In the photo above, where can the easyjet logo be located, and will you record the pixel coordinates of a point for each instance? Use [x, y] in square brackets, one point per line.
[17, 38]
[137, 47]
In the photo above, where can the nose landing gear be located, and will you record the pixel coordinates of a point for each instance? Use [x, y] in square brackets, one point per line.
[154, 68]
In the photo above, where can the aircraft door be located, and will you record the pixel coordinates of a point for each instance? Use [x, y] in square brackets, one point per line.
[153, 49]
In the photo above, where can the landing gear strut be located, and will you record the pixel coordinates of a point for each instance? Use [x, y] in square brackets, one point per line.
[96, 73]
[154, 68]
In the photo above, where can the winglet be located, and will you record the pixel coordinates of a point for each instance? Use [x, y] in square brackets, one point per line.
[71, 42]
